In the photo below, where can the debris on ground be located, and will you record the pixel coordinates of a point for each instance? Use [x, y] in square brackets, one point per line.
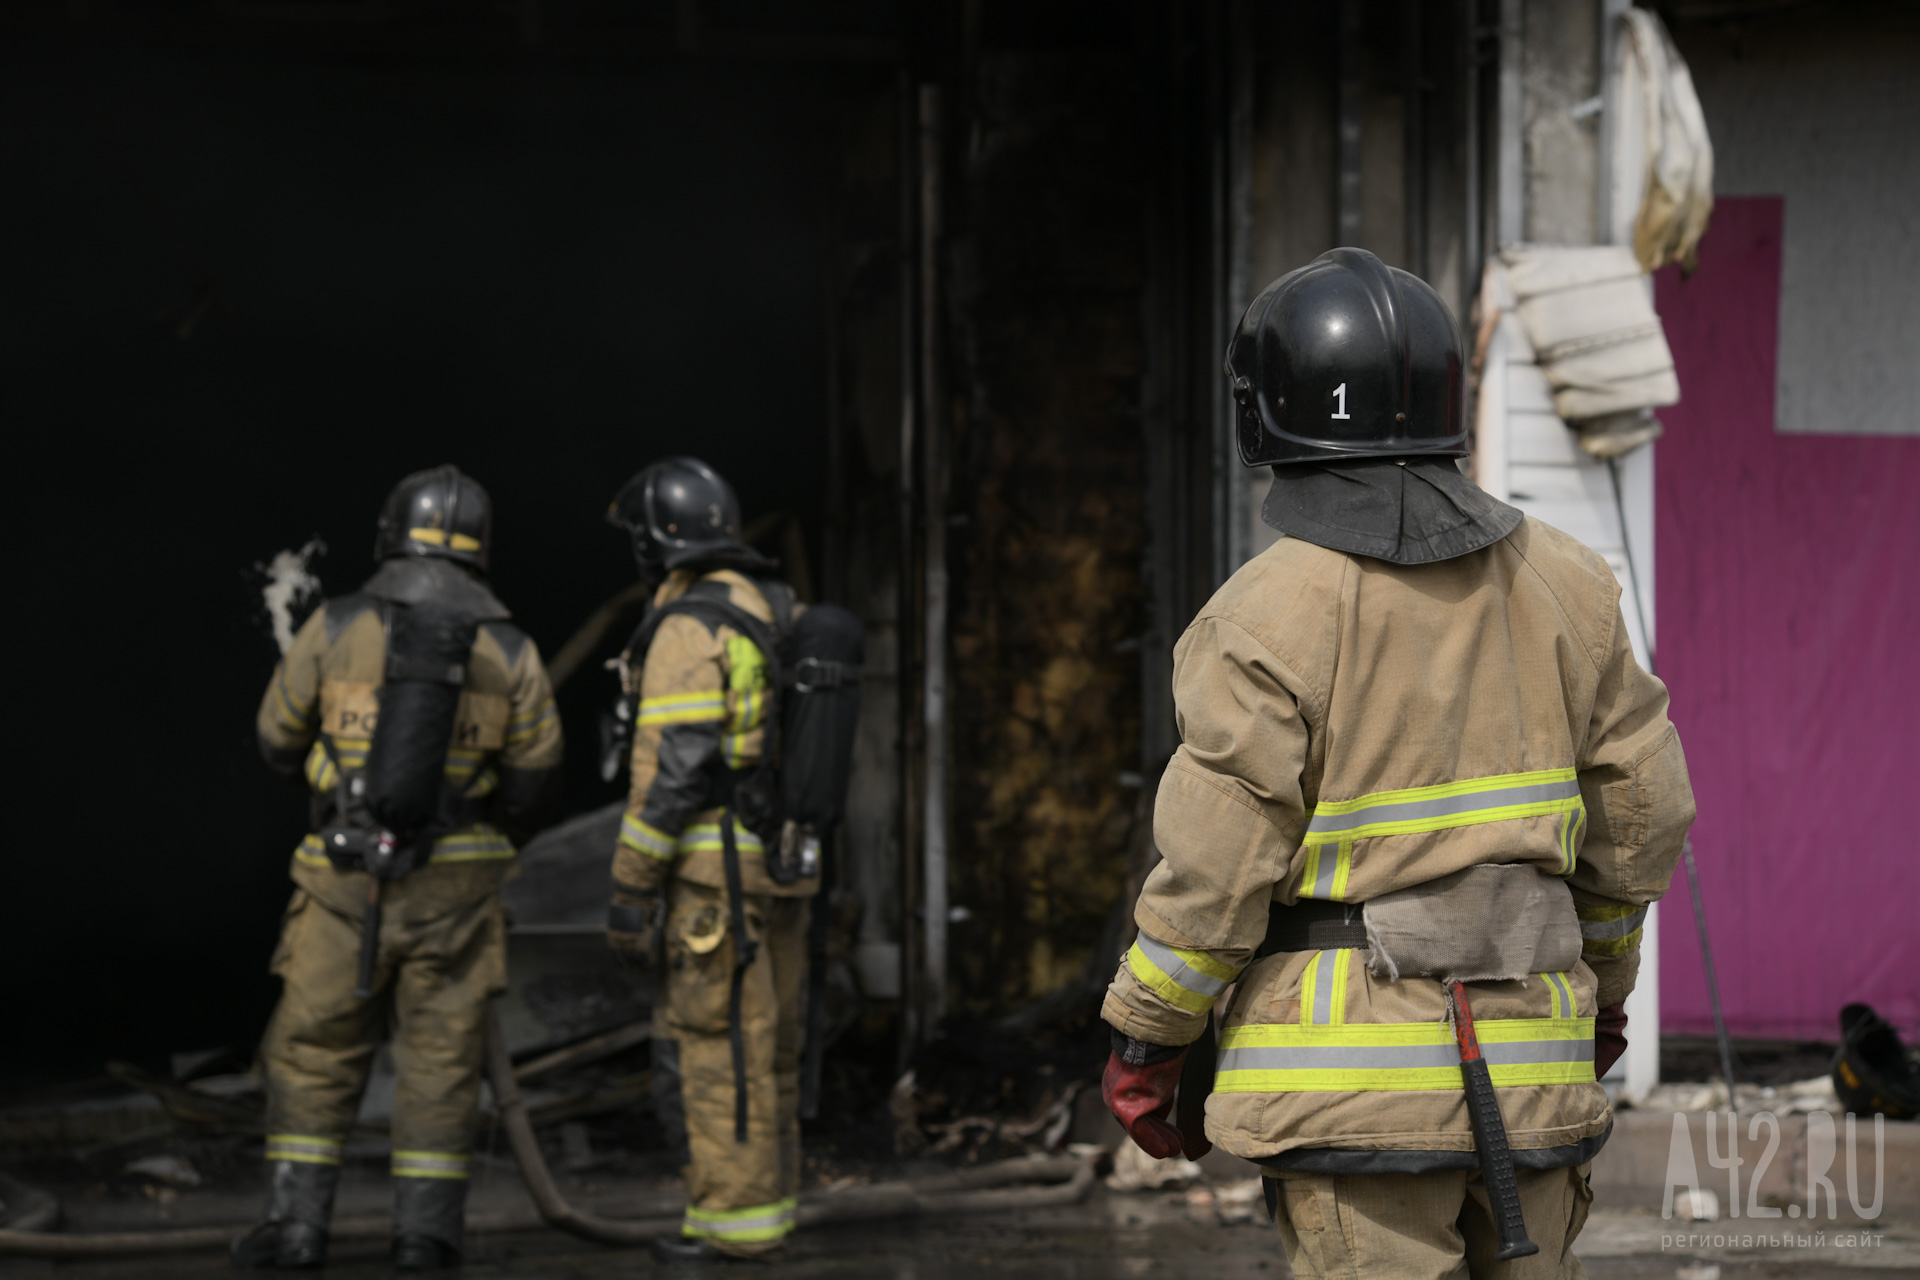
[168, 1170]
[1795, 1098]
[1225, 1203]
[1135, 1170]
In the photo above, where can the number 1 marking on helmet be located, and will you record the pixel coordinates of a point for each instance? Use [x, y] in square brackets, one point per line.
[1343, 415]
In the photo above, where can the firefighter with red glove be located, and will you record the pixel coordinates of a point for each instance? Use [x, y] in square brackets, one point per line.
[1419, 764]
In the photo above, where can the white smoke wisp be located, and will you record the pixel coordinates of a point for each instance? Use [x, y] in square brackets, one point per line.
[291, 585]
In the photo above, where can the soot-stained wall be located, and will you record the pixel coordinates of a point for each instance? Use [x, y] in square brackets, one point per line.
[242, 293]
[1048, 263]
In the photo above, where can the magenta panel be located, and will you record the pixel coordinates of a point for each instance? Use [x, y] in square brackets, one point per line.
[1788, 628]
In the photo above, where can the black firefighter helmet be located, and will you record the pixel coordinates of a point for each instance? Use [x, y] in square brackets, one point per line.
[677, 511]
[1347, 358]
[443, 513]
[1873, 1071]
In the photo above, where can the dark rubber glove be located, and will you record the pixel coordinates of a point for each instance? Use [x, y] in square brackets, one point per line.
[1138, 1087]
[1609, 1038]
[635, 929]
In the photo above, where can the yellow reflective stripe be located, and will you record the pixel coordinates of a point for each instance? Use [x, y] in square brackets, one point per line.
[1366, 1057]
[1326, 871]
[312, 851]
[759, 1223]
[295, 716]
[321, 775]
[440, 538]
[733, 747]
[1323, 988]
[429, 1164]
[1187, 980]
[636, 834]
[704, 837]
[1451, 804]
[352, 751]
[520, 728]
[1561, 992]
[303, 1148]
[472, 846]
[684, 708]
[1610, 930]
[747, 678]
[1572, 828]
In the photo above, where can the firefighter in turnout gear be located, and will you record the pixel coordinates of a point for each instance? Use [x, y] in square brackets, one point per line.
[698, 887]
[419, 675]
[1416, 750]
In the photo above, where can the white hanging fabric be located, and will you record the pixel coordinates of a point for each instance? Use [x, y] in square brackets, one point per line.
[1589, 318]
[1661, 150]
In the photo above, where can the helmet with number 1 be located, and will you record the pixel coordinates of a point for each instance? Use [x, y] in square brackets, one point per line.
[1347, 358]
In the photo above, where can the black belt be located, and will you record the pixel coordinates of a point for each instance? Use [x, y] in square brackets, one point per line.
[1314, 926]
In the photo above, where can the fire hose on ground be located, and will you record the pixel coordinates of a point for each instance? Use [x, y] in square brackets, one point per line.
[982, 1189]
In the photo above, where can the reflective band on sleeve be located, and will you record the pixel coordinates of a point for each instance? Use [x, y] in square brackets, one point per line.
[352, 751]
[321, 775]
[704, 837]
[1323, 988]
[757, 1224]
[526, 725]
[1452, 804]
[312, 851]
[292, 714]
[429, 1164]
[684, 708]
[1188, 980]
[636, 834]
[472, 846]
[1611, 930]
[1377, 1057]
[303, 1148]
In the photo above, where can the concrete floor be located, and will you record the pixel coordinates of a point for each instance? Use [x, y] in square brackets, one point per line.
[1144, 1234]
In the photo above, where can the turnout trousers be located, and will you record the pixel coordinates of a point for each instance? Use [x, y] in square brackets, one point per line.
[431, 986]
[741, 1196]
[1426, 1226]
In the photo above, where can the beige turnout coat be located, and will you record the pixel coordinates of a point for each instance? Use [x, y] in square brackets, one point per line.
[1353, 727]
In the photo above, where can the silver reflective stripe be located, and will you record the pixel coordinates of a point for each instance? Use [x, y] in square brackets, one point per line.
[1559, 980]
[1526, 1051]
[1601, 930]
[1444, 806]
[1398, 1057]
[739, 1226]
[1170, 963]
[1323, 877]
[1334, 1057]
[1323, 988]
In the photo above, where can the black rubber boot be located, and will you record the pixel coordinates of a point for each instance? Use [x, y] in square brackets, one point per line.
[689, 1249]
[299, 1206]
[429, 1223]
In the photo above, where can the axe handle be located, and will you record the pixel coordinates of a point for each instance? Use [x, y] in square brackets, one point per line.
[1489, 1135]
[369, 940]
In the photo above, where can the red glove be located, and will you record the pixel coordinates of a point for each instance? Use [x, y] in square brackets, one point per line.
[1609, 1038]
[1140, 1095]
